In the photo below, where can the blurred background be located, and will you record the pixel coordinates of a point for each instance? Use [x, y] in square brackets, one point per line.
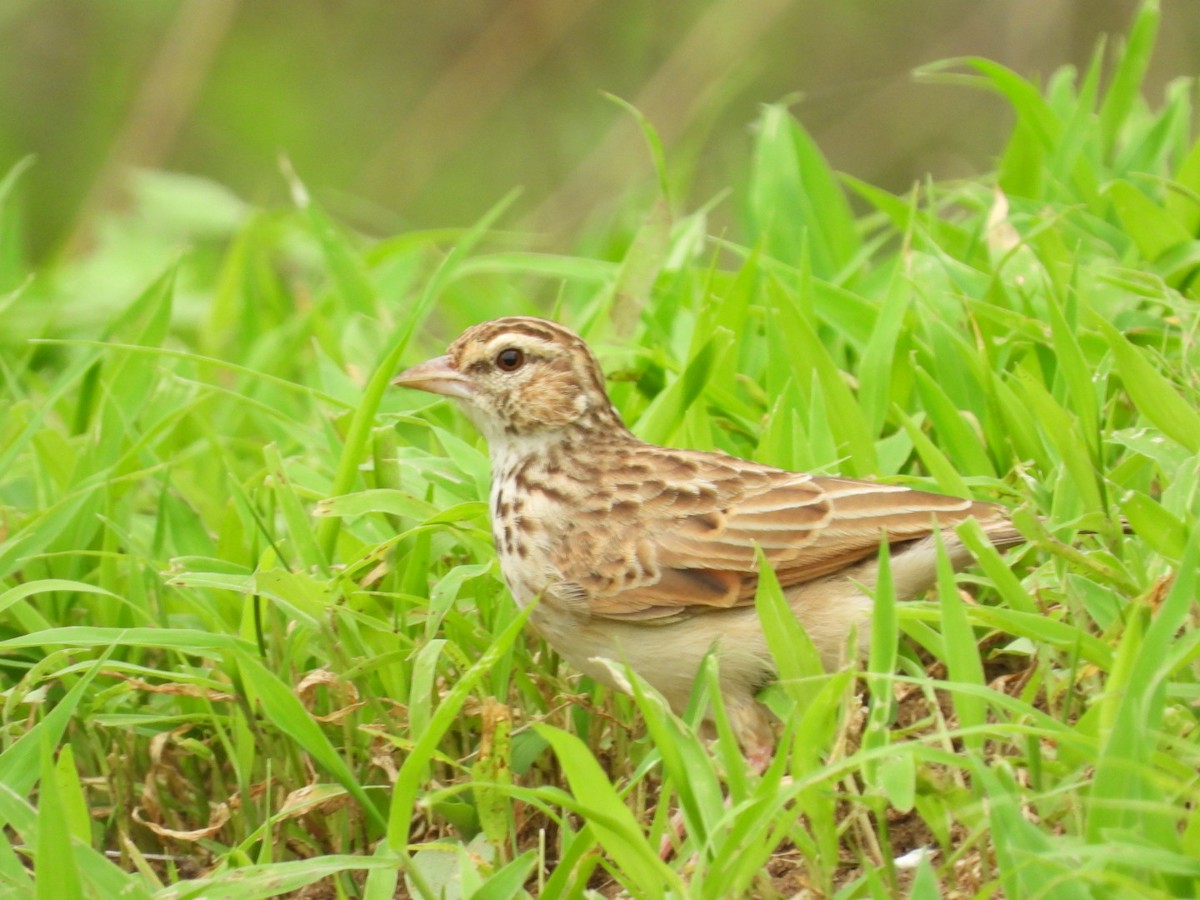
[416, 115]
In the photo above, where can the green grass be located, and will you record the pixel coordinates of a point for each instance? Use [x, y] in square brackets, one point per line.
[253, 634]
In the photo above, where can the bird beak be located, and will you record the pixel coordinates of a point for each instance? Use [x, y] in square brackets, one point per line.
[438, 376]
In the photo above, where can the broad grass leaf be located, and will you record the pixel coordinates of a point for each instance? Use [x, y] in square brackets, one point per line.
[1125, 87]
[615, 828]
[898, 779]
[1152, 522]
[409, 779]
[274, 879]
[1006, 582]
[961, 652]
[796, 658]
[1077, 374]
[1182, 194]
[1039, 628]
[71, 796]
[20, 763]
[640, 268]
[1151, 392]
[795, 198]
[32, 588]
[55, 872]
[1153, 229]
[288, 714]
[686, 763]
[653, 142]
[943, 471]
[664, 415]
[299, 522]
[1126, 794]
[1023, 852]
[363, 420]
[879, 356]
[881, 664]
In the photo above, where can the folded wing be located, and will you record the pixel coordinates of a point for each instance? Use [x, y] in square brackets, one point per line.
[808, 527]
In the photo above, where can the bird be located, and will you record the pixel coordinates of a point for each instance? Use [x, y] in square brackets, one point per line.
[646, 556]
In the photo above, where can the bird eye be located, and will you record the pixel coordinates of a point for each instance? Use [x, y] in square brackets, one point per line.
[510, 359]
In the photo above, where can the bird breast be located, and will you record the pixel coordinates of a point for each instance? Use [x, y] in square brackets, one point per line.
[530, 517]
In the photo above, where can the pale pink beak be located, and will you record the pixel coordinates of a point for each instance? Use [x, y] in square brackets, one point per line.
[438, 376]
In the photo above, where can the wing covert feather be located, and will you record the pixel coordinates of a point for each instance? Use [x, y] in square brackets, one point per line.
[808, 527]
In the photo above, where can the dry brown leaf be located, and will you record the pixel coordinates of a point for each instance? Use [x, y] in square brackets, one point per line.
[338, 687]
[1001, 235]
[324, 678]
[256, 791]
[338, 714]
[216, 821]
[315, 798]
[175, 689]
[160, 768]
[384, 761]
[375, 575]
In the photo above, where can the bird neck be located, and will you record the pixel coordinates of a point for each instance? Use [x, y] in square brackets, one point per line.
[553, 447]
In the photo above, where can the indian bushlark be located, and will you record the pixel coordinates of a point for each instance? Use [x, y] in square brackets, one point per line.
[645, 555]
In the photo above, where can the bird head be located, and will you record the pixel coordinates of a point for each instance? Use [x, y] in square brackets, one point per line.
[520, 377]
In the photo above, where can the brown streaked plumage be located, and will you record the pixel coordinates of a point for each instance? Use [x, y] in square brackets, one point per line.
[646, 555]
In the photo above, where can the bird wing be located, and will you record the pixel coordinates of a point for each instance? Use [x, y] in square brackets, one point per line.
[691, 544]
